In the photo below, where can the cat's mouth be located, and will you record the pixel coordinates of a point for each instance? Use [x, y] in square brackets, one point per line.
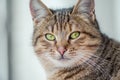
[62, 58]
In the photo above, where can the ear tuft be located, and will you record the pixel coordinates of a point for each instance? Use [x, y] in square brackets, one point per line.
[38, 9]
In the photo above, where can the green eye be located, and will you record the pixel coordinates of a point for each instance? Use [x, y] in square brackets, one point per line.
[75, 35]
[50, 37]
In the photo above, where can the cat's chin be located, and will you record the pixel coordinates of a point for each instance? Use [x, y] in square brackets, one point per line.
[65, 63]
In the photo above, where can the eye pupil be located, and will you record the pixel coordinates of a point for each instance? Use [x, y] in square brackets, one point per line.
[75, 34]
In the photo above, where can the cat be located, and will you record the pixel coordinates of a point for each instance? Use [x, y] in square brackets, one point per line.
[70, 45]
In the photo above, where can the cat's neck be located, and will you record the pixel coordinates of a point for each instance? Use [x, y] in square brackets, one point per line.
[69, 73]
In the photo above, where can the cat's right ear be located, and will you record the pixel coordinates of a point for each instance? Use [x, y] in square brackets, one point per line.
[38, 10]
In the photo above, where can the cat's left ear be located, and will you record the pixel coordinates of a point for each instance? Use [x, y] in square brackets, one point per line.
[38, 10]
[85, 6]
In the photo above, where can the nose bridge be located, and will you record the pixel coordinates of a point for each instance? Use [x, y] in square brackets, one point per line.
[61, 39]
[62, 43]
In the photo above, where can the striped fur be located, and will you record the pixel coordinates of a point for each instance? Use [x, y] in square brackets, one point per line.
[91, 56]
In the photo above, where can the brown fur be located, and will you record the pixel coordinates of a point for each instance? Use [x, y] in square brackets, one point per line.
[92, 56]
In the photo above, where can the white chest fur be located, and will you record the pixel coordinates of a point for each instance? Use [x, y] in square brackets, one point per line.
[59, 4]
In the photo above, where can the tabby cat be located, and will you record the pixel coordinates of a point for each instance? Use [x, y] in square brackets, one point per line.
[70, 45]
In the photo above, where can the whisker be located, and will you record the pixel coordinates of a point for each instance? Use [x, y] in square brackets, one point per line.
[95, 66]
[98, 59]
[91, 65]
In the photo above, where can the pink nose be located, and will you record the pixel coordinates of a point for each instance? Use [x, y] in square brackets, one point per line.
[62, 50]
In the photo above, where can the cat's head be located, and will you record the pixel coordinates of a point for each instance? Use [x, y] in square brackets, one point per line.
[66, 37]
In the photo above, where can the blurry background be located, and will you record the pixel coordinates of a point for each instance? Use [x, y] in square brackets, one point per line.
[17, 58]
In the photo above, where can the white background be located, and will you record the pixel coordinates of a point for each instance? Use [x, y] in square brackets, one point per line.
[3, 42]
[24, 64]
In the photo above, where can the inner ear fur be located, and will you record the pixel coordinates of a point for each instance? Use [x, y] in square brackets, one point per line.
[85, 7]
[39, 10]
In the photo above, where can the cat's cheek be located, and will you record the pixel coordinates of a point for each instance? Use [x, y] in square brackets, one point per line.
[72, 42]
[80, 58]
[39, 52]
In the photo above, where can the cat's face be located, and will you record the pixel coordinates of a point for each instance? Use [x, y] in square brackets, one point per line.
[65, 43]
